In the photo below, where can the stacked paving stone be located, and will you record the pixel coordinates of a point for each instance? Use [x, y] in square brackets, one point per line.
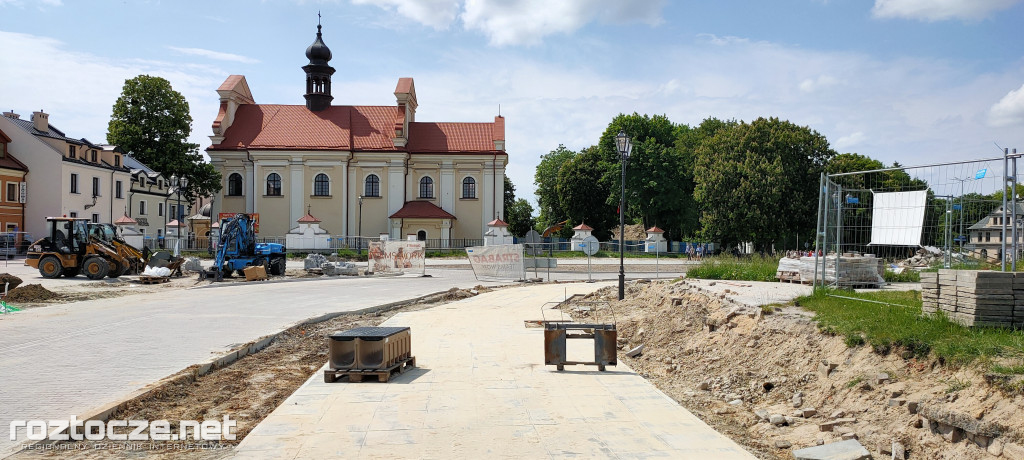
[855, 270]
[974, 298]
[929, 292]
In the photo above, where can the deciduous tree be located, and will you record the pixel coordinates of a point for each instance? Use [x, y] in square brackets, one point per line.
[151, 121]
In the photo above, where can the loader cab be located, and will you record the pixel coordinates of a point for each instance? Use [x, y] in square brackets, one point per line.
[104, 232]
[69, 235]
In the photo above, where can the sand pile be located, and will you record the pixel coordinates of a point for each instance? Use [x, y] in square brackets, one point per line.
[31, 293]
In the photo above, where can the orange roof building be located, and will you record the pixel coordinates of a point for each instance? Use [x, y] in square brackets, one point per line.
[373, 169]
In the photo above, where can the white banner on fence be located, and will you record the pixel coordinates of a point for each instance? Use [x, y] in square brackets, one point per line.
[497, 262]
[897, 218]
[397, 257]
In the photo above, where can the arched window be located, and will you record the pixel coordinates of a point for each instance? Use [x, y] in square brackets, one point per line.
[469, 187]
[274, 185]
[372, 187]
[321, 185]
[234, 184]
[421, 235]
[426, 187]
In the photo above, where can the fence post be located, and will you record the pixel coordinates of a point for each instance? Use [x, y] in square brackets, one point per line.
[819, 229]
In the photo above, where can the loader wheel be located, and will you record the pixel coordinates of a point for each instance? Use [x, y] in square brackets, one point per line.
[116, 269]
[96, 268]
[50, 267]
[71, 272]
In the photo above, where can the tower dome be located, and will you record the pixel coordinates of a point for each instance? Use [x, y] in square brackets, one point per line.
[318, 74]
[318, 53]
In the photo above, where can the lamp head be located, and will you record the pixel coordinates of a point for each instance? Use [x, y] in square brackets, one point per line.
[624, 144]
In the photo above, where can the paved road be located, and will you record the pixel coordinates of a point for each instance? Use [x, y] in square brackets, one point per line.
[68, 359]
[481, 390]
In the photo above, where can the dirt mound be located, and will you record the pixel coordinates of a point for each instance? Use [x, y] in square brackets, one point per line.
[13, 281]
[739, 370]
[31, 293]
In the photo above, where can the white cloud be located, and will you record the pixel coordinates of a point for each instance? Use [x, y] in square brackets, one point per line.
[80, 102]
[939, 10]
[438, 14]
[811, 85]
[845, 143]
[527, 22]
[214, 55]
[1009, 110]
[522, 22]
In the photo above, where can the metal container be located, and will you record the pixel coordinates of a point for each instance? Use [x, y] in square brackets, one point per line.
[366, 348]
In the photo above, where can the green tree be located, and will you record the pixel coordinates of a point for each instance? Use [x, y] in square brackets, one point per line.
[583, 192]
[520, 217]
[546, 180]
[151, 121]
[758, 182]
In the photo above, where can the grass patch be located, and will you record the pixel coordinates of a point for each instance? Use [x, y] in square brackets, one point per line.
[856, 381]
[906, 276]
[753, 268]
[954, 385]
[1008, 370]
[886, 327]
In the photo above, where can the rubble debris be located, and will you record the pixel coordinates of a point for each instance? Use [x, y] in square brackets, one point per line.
[314, 261]
[637, 351]
[850, 449]
[192, 264]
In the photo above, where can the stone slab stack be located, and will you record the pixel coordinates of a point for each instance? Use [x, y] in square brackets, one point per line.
[984, 298]
[854, 270]
[974, 298]
[929, 292]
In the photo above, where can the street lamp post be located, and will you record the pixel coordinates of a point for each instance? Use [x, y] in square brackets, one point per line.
[625, 146]
[177, 184]
[359, 237]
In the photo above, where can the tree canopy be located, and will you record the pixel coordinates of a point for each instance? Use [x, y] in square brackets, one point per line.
[151, 121]
[518, 212]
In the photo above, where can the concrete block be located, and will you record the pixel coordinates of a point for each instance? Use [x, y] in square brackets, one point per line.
[826, 368]
[1012, 450]
[843, 450]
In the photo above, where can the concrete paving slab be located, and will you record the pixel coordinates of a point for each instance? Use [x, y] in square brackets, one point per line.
[482, 391]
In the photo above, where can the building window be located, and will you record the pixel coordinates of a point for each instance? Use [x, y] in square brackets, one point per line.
[988, 236]
[95, 186]
[321, 185]
[96, 218]
[160, 184]
[71, 151]
[74, 183]
[12, 191]
[469, 187]
[142, 208]
[274, 184]
[73, 214]
[372, 187]
[426, 187]
[235, 184]
[117, 161]
[93, 156]
[160, 209]
[174, 212]
[118, 190]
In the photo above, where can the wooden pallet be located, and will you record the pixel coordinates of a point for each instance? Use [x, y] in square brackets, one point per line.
[146, 279]
[356, 375]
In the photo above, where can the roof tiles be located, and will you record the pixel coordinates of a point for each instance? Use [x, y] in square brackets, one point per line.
[421, 210]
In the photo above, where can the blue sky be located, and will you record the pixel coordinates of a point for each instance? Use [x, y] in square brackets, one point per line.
[913, 81]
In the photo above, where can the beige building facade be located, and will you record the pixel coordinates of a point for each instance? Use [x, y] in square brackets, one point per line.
[153, 201]
[361, 170]
[67, 176]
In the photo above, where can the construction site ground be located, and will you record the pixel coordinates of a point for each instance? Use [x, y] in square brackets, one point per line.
[735, 375]
[68, 290]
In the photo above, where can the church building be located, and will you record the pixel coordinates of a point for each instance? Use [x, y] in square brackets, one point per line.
[360, 170]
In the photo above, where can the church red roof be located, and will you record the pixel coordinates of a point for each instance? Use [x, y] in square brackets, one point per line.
[497, 223]
[655, 229]
[583, 227]
[421, 210]
[343, 127]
